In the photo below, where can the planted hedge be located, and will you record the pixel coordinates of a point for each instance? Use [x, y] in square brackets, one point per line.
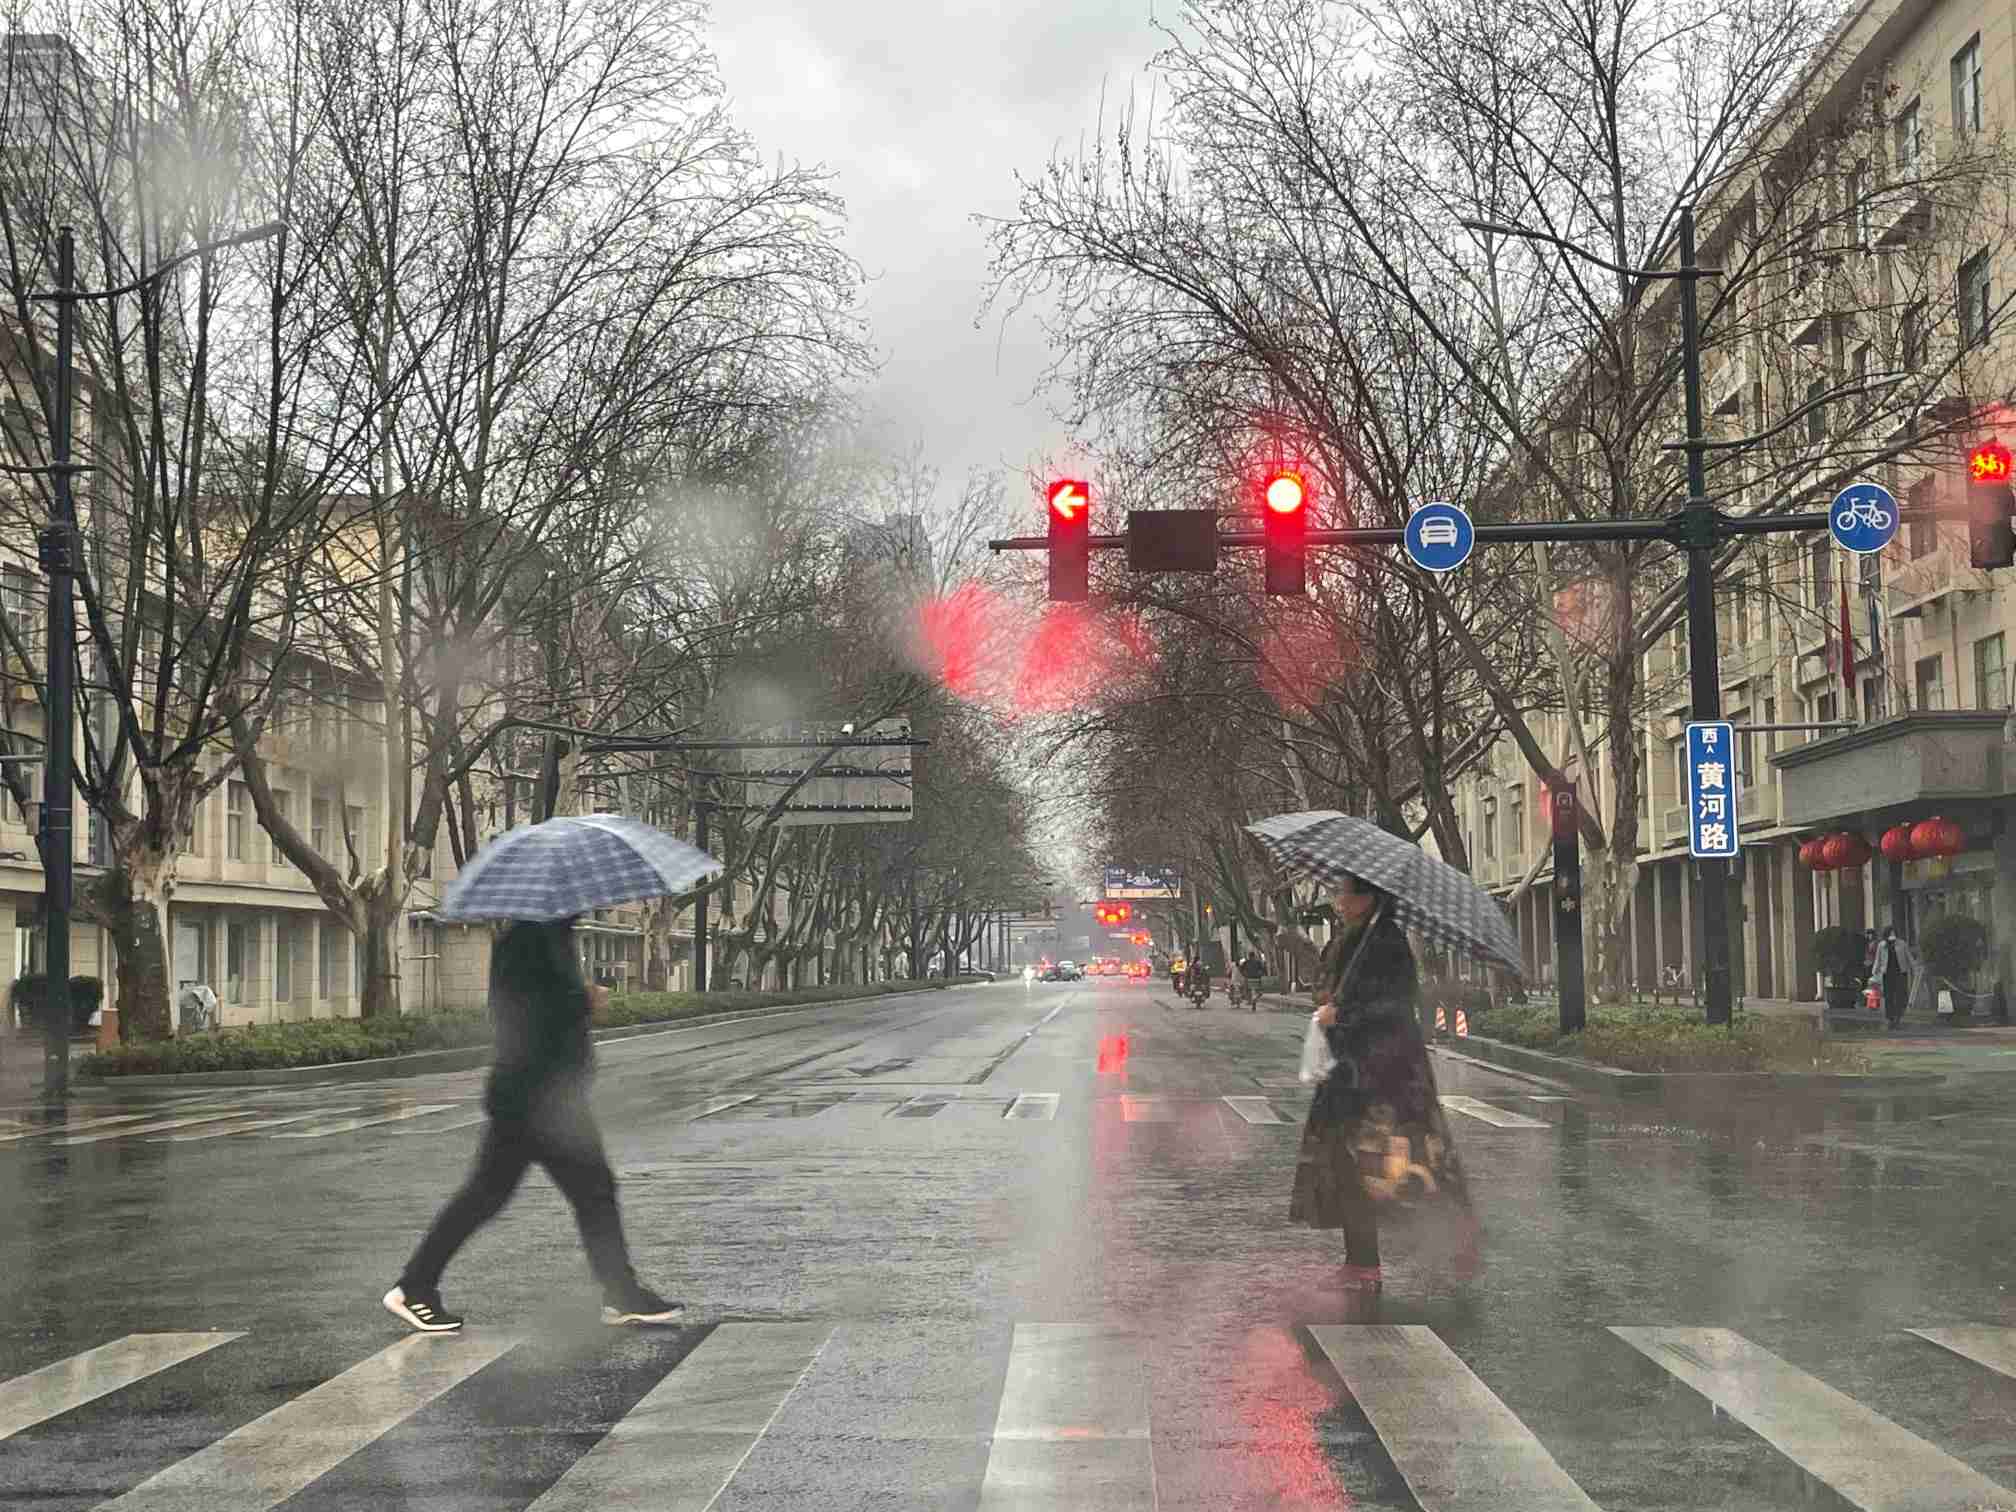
[328, 1042]
[1675, 1039]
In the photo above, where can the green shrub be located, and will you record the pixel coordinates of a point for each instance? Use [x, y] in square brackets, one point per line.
[328, 1042]
[1675, 1039]
[1841, 953]
[29, 996]
[1954, 946]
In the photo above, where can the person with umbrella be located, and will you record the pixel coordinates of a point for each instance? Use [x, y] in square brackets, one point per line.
[1377, 1136]
[542, 879]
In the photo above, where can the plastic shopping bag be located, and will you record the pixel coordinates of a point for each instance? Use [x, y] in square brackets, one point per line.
[1945, 1002]
[1317, 1061]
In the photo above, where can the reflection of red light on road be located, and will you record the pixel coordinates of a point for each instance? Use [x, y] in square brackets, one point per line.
[1113, 1053]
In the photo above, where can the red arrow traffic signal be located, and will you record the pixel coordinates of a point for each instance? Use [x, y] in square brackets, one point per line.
[1070, 540]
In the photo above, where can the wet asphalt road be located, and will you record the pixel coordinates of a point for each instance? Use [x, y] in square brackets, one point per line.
[961, 1251]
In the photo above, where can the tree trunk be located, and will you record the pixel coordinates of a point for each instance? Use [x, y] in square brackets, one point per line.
[378, 994]
[134, 905]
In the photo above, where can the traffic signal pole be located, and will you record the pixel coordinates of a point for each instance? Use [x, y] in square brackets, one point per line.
[1699, 528]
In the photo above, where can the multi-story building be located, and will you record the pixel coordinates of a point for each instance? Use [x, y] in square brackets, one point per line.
[1927, 82]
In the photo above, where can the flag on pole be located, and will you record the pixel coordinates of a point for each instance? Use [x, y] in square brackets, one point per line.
[1847, 645]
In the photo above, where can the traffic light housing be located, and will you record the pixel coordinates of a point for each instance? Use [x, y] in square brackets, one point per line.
[1991, 536]
[1286, 514]
[1070, 502]
[1113, 913]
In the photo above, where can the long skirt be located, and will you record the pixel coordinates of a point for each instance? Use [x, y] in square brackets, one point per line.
[1377, 1134]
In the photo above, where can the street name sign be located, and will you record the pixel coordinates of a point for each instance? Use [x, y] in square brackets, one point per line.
[1143, 882]
[1864, 517]
[1440, 537]
[1711, 790]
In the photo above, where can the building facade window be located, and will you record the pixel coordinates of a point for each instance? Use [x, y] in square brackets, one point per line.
[1816, 411]
[1826, 709]
[1924, 533]
[234, 821]
[1967, 87]
[1911, 338]
[1974, 300]
[1490, 828]
[1820, 556]
[283, 805]
[1861, 185]
[1515, 822]
[283, 960]
[1929, 683]
[1906, 142]
[241, 960]
[318, 826]
[1991, 673]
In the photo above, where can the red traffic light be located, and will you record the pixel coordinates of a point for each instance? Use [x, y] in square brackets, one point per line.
[1284, 493]
[1113, 913]
[1069, 499]
[1989, 463]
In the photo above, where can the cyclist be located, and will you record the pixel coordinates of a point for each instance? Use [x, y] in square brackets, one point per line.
[1252, 969]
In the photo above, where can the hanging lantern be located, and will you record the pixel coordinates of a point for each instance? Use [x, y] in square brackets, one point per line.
[1896, 843]
[1834, 852]
[1856, 850]
[1925, 837]
[1809, 854]
[1952, 840]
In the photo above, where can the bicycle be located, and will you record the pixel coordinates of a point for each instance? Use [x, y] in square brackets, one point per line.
[1862, 512]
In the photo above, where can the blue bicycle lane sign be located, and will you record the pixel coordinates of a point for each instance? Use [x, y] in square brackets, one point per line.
[1439, 537]
[1863, 517]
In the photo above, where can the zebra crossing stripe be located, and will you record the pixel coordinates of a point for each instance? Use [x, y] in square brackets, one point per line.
[715, 1105]
[1871, 1462]
[258, 1466]
[1072, 1430]
[344, 1126]
[1498, 1118]
[1994, 1348]
[1453, 1442]
[1038, 1105]
[55, 1389]
[676, 1450]
[1146, 1109]
[242, 1128]
[1255, 1110]
[154, 1127]
[72, 1125]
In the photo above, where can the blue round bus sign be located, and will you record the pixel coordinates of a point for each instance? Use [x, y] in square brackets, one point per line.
[1439, 537]
[1863, 517]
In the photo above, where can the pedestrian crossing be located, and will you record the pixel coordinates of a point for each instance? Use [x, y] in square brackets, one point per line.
[277, 1117]
[1075, 1425]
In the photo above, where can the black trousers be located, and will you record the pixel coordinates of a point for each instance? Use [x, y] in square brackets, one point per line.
[560, 1135]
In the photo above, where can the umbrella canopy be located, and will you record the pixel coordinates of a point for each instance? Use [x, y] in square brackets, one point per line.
[1428, 895]
[567, 867]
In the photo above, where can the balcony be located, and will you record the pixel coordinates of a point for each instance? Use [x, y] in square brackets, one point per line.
[1757, 803]
[1673, 826]
[1726, 389]
[1915, 761]
[1903, 209]
[1808, 306]
[1923, 581]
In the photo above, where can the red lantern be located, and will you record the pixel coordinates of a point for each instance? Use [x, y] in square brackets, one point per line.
[1896, 843]
[1951, 839]
[1809, 854]
[1834, 852]
[1925, 837]
[1858, 850]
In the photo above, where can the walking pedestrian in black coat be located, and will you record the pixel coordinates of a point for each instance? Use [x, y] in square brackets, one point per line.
[1376, 1135]
[537, 1099]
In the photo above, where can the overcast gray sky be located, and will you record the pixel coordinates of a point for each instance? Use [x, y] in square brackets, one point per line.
[925, 109]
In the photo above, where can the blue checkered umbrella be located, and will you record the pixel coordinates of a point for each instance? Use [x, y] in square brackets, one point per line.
[568, 867]
[1430, 896]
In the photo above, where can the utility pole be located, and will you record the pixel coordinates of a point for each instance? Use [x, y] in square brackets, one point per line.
[58, 545]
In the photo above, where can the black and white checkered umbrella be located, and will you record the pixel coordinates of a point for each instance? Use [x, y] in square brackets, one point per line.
[1428, 895]
[568, 867]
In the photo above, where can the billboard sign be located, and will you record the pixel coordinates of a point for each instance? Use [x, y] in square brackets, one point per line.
[1143, 882]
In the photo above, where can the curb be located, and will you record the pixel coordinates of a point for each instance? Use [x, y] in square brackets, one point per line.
[433, 1062]
[1652, 1083]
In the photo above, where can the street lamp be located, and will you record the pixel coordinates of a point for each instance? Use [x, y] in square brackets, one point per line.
[57, 548]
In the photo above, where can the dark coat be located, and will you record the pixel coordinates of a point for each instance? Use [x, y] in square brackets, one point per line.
[539, 1003]
[1376, 1128]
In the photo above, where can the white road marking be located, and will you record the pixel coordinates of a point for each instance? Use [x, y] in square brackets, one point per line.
[1498, 1118]
[244, 1128]
[154, 1127]
[1146, 1110]
[55, 1389]
[1255, 1110]
[677, 1450]
[1072, 1431]
[1984, 1345]
[715, 1105]
[344, 1126]
[1455, 1444]
[71, 1125]
[444, 1128]
[1039, 1105]
[260, 1465]
[1870, 1461]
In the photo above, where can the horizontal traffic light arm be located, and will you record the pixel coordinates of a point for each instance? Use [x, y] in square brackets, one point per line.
[1673, 528]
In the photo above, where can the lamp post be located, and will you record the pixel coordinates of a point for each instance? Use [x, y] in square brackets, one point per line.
[59, 550]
